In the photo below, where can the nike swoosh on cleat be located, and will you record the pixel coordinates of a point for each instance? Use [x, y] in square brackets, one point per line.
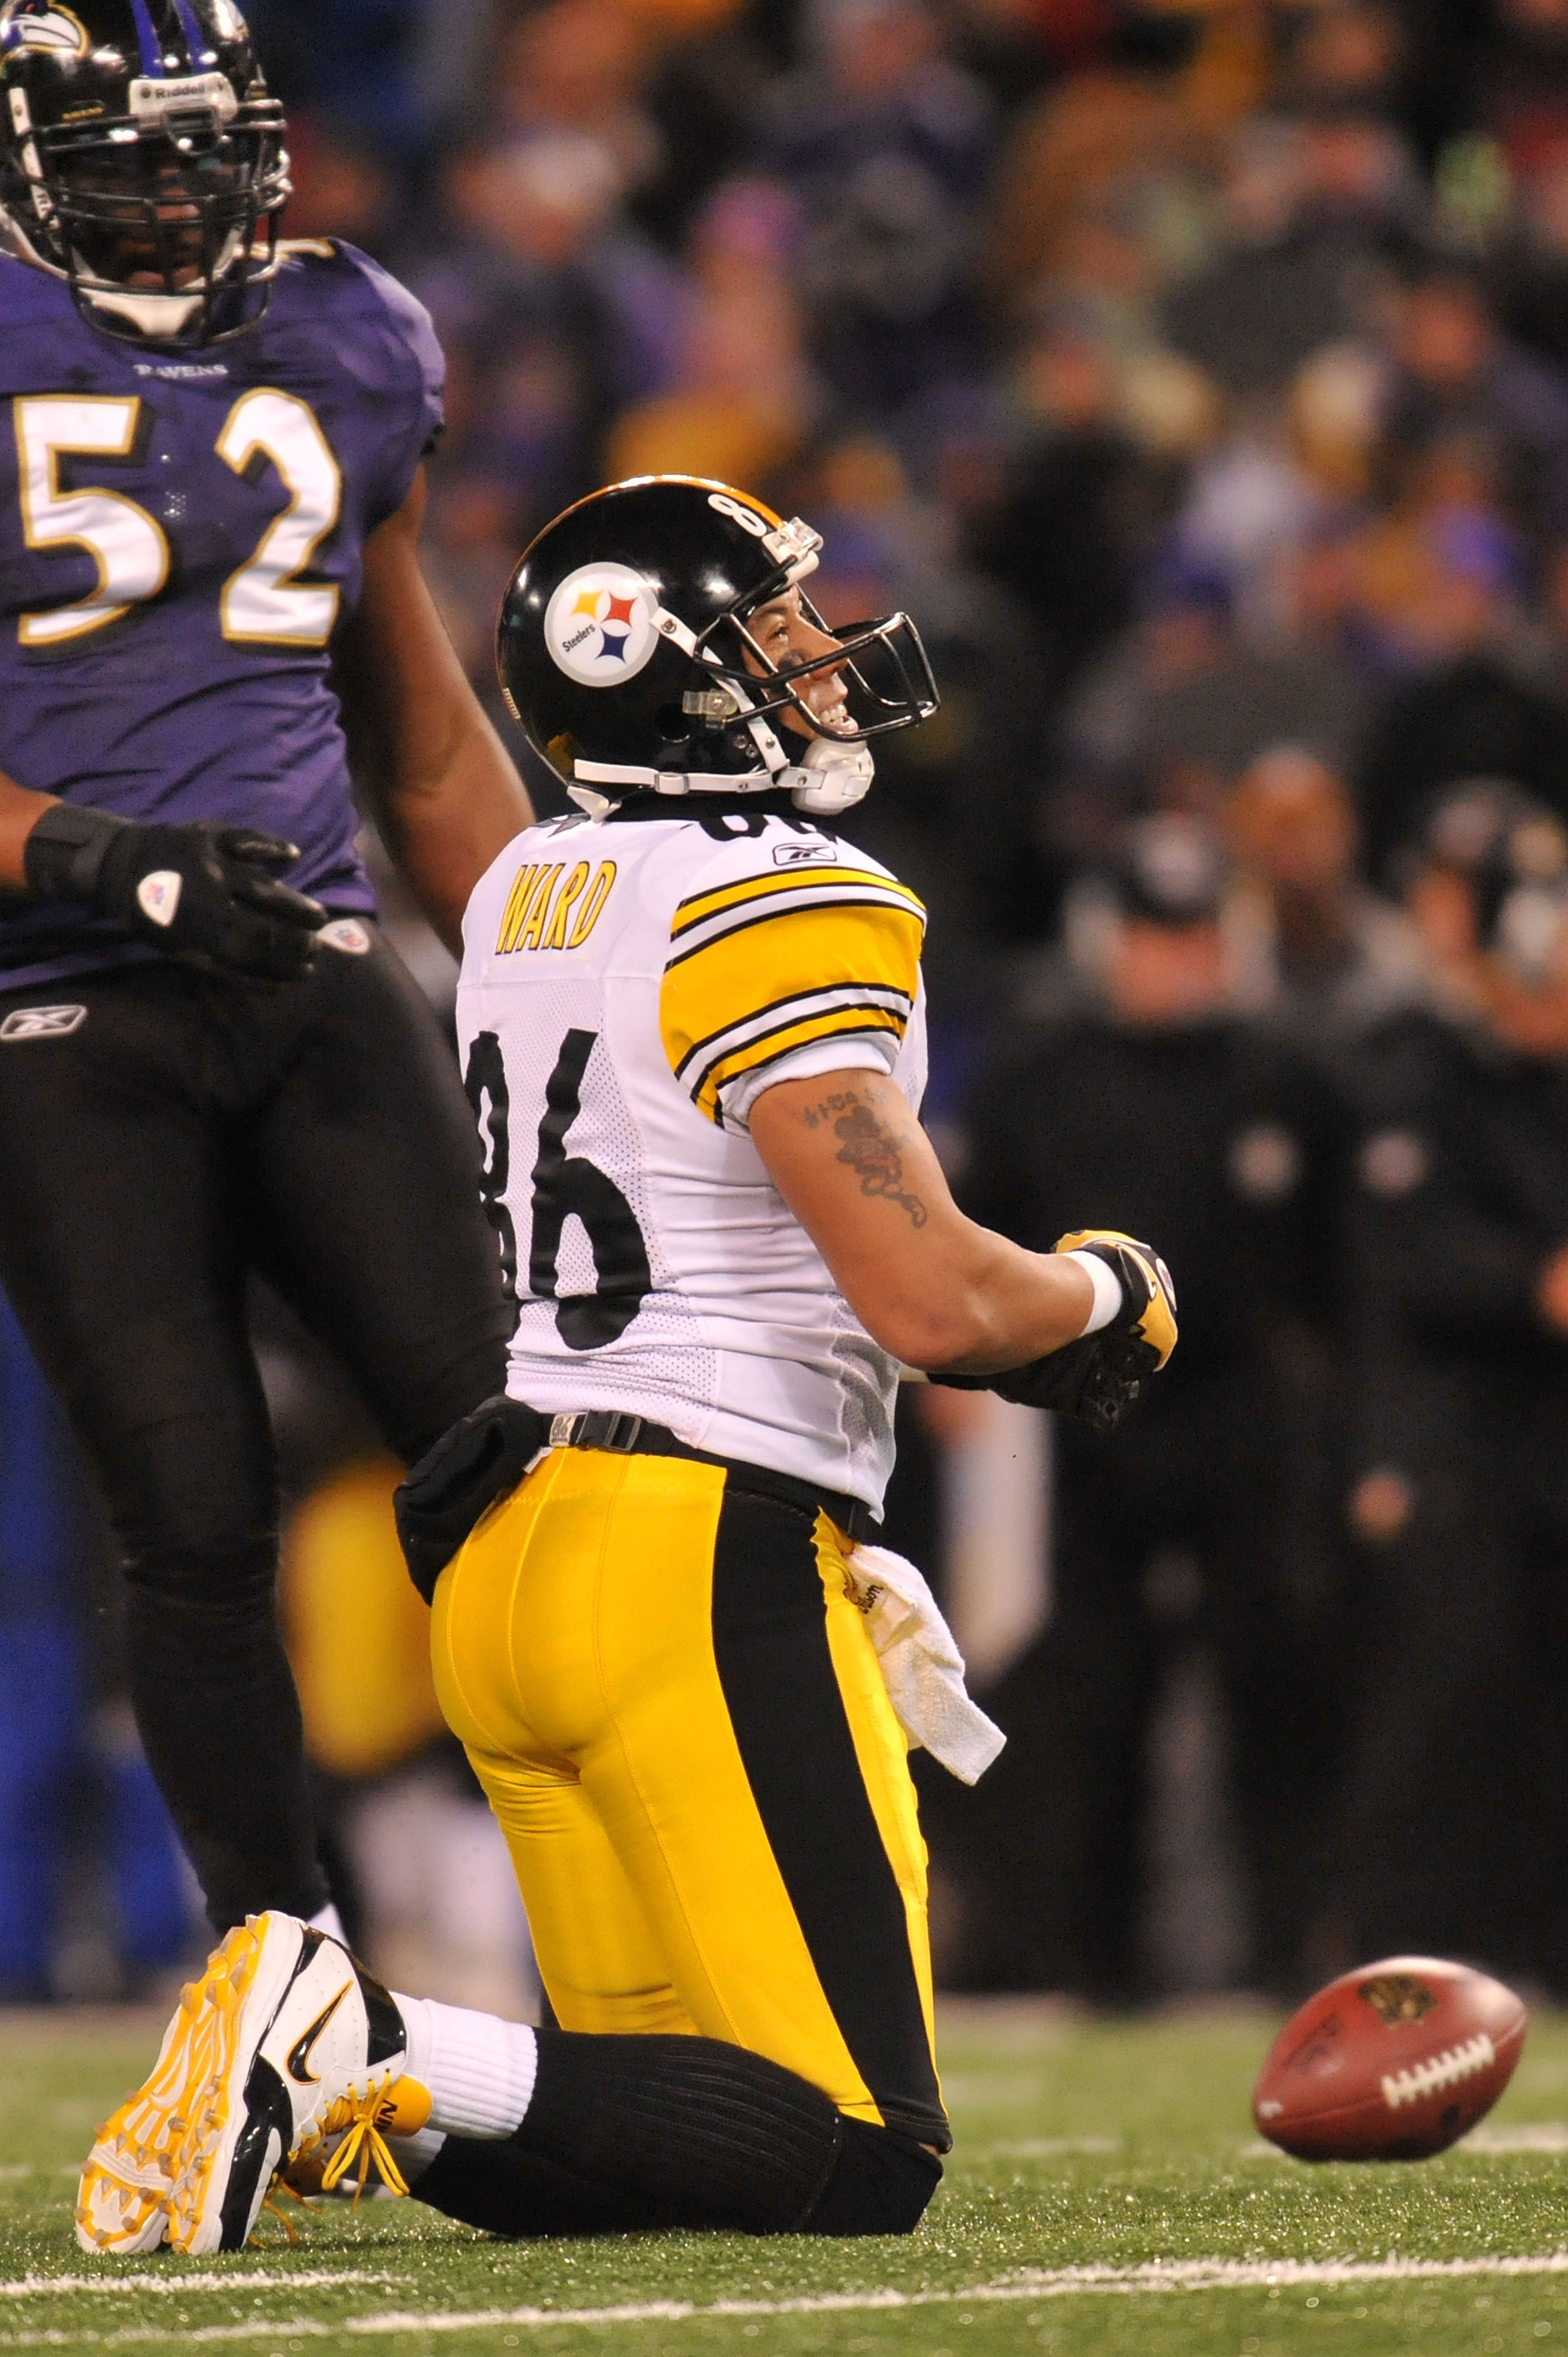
[264, 2141]
[299, 2052]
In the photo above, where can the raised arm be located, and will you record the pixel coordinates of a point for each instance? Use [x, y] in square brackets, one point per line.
[442, 786]
[859, 1173]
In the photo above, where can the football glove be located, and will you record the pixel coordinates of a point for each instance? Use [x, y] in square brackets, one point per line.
[205, 895]
[483, 1457]
[1100, 1378]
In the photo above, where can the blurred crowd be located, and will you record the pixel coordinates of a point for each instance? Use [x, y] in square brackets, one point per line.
[1195, 373]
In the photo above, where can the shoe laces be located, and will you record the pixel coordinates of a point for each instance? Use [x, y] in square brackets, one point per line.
[353, 2117]
[281, 2185]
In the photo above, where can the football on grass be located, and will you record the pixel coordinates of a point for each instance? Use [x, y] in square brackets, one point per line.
[1391, 2063]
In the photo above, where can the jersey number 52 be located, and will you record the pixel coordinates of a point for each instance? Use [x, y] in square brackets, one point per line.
[264, 602]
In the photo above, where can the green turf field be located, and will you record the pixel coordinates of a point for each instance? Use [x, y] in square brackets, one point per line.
[1107, 2194]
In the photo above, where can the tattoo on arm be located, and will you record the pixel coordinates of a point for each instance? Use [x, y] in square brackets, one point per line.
[869, 1147]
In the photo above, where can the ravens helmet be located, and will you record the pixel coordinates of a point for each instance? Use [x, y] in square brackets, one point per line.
[142, 160]
[624, 650]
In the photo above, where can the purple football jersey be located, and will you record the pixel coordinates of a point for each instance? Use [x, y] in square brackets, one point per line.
[181, 532]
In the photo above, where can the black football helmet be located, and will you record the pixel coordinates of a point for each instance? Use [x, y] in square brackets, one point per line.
[624, 652]
[143, 161]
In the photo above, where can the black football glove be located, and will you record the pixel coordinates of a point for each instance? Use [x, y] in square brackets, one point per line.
[483, 1457]
[206, 896]
[1100, 1378]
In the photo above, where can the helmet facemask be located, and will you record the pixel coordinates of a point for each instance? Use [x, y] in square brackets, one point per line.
[633, 647]
[167, 223]
[881, 665]
[881, 668]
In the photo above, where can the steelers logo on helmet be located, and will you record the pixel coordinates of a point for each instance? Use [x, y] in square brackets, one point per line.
[600, 625]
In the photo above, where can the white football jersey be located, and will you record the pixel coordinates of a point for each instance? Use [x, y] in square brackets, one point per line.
[629, 987]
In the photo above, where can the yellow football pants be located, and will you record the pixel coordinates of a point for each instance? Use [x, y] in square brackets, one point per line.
[678, 1716]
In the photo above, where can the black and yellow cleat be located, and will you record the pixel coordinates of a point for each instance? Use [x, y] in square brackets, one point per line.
[285, 2038]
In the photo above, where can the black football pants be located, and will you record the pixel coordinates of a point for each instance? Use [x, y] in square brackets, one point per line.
[191, 1130]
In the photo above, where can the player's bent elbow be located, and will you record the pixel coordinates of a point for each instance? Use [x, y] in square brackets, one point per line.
[933, 1337]
[931, 1317]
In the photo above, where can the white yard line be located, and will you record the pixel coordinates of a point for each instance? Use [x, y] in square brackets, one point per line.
[1157, 2276]
[1523, 2136]
[37, 2286]
[1045, 2148]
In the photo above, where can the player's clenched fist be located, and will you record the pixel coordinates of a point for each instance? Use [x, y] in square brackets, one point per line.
[1101, 1375]
[206, 896]
[1147, 1319]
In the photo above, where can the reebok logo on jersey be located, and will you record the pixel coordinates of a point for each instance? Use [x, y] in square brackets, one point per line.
[806, 855]
[43, 1022]
[157, 895]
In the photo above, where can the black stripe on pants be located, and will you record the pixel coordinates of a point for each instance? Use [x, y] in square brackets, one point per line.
[770, 1643]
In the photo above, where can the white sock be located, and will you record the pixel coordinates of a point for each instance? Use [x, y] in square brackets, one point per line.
[328, 1920]
[478, 2070]
[1107, 1295]
[413, 2153]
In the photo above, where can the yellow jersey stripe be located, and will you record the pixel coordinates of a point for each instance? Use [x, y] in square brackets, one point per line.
[792, 881]
[745, 922]
[770, 956]
[787, 879]
[805, 961]
[844, 1022]
[819, 999]
[744, 1055]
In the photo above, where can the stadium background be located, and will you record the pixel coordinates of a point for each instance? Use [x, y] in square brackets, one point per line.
[1198, 379]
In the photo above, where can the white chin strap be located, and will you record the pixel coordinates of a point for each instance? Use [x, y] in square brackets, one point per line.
[829, 778]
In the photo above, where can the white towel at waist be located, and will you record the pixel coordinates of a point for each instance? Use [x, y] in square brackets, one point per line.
[921, 1663]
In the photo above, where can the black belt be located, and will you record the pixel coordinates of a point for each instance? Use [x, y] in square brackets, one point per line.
[636, 1436]
[487, 1454]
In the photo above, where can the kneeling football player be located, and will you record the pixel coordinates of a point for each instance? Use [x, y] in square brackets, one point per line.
[692, 1023]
